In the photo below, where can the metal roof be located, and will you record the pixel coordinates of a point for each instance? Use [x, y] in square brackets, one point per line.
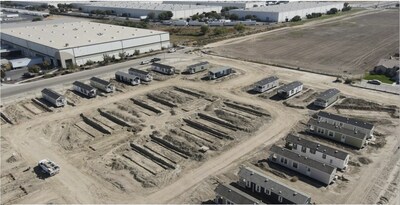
[51, 93]
[75, 34]
[101, 81]
[302, 159]
[235, 195]
[276, 187]
[328, 94]
[317, 146]
[199, 64]
[163, 65]
[347, 132]
[83, 85]
[290, 86]
[267, 80]
[217, 70]
[346, 120]
[292, 6]
[127, 75]
[139, 71]
[145, 6]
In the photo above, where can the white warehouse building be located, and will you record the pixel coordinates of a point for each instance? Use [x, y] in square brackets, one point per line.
[285, 12]
[138, 9]
[64, 44]
[238, 4]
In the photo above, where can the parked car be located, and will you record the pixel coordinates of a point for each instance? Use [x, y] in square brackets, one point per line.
[375, 82]
[145, 62]
[171, 50]
[155, 60]
[49, 167]
[28, 75]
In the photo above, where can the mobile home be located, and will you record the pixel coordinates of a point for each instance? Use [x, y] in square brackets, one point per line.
[228, 194]
[127, 78]
[290, 89]
[84, 89]
[219, 72]
[53, 97]
[164, 69]
[102, 84]
[143, 75]
[327, 97]
[195, 68]
[266, 84]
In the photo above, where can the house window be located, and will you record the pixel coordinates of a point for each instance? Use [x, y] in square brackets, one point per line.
[323, 156]
[313, 151]
[285, 161]
[341, 124]
[308, 169]
[258, 188]
[248, 183]
[229, 202]
[330, 133]
[295, 165]
[280, 199]
[331, 161]
[282, 160]
[304, 149]
[294, 146]
[268, 192]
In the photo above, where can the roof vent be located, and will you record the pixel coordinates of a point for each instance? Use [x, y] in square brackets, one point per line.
[67, 44]
[280, 192]
[324, 150]
[336, 151]
[75, 36]
[295, 193]
[99, 34]
[229, 190]
[75, 29]
[318, 145]
[89, 40]
[251, 173]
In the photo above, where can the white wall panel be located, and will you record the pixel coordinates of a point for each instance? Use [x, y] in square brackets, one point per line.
[104, 47]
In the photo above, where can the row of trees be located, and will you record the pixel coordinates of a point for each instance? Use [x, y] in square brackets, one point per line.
[313, 15]
[167, 15]
[221, 30]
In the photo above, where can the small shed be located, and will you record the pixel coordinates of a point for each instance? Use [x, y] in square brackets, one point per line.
[127, 78]
[219, 72]
[143, 75]
[102, 84]
[53, 97]
[290, 89]
[195, 68]
[266, 84]
[84, 89]
[327, 97]
[164, 69]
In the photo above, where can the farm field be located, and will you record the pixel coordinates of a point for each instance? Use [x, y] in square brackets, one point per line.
[348, 46]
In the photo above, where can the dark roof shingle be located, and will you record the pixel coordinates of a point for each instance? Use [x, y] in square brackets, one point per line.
[266, 81]
[342, 130]
[163, 65]
[199, 64]
[351, 121]
[235, 195]
[327, 94]
[51, 93]
[83, 85]
[139, 71]
[290, 86]
[101, 81]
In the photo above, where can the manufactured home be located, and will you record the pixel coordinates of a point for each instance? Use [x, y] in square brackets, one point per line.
[349, 123]
[327, 97]
[143, 75]
[290, 89]
[84, 89]
[164, 69]
[344, 135]
[266, 84]
[268, 189]
[219, 72]
[319, 171]
[53, 97]
[228, 194]
[127, 78]
[317, 151]
[195, 68]
[102, 85]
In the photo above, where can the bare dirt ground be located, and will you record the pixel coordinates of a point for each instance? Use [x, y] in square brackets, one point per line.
[141, 144]
[347, 46]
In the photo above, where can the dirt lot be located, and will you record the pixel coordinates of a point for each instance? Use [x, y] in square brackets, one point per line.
[142, 143]
[348, 46]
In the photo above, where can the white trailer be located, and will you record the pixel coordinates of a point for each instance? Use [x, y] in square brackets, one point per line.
[49, 167]
[102, 85]
[84, 89]
[164, 69]
[53, 97]
[127, 78]
[143, 75]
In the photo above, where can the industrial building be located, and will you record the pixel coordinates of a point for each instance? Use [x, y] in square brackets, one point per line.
[75, 43]
[285, 12]
[238, 4]
[319, 171]
[139, 9]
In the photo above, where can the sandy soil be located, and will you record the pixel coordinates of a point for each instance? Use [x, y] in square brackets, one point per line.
[93, 167]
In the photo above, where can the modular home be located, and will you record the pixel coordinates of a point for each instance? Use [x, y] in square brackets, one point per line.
[349, 123]
[290, 89]
[317, 151]
[266, 84]
[164, 69]
[327, 97]
[143, 75]
[198, 67]
[84, 89]
[228, 194]
[319, 171]
[102, 85]
[271, 190]
[53, 97]
[127, 78]
[337, 133]
[219, 72]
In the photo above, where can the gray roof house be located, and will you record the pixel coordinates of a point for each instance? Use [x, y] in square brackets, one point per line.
[84, 89]
[319, 171]
[337, 133]
[346, 122]
[219, 72]
[317, 151]
[290, 89]
[102, 84]
[327, 97]
[266, 84]
[227, 194]
[198, 67]
[162, 68]
[53, 97]
[270, 190]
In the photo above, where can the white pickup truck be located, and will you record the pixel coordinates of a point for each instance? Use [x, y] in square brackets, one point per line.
[49, 167]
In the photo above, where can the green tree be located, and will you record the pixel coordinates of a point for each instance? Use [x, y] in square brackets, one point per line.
[34, 69]
[3, 73]
[248, 17]
[234, 17]
[220, 31]
[46, 64]
[295, 19]
[240, 27]
[204, 29]
[89, 62]
[346, 7]
[137, 52]
[195, 17]
[332, 11]
[122, 55]
[37, 19]
[106, 58]
[151, 15]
